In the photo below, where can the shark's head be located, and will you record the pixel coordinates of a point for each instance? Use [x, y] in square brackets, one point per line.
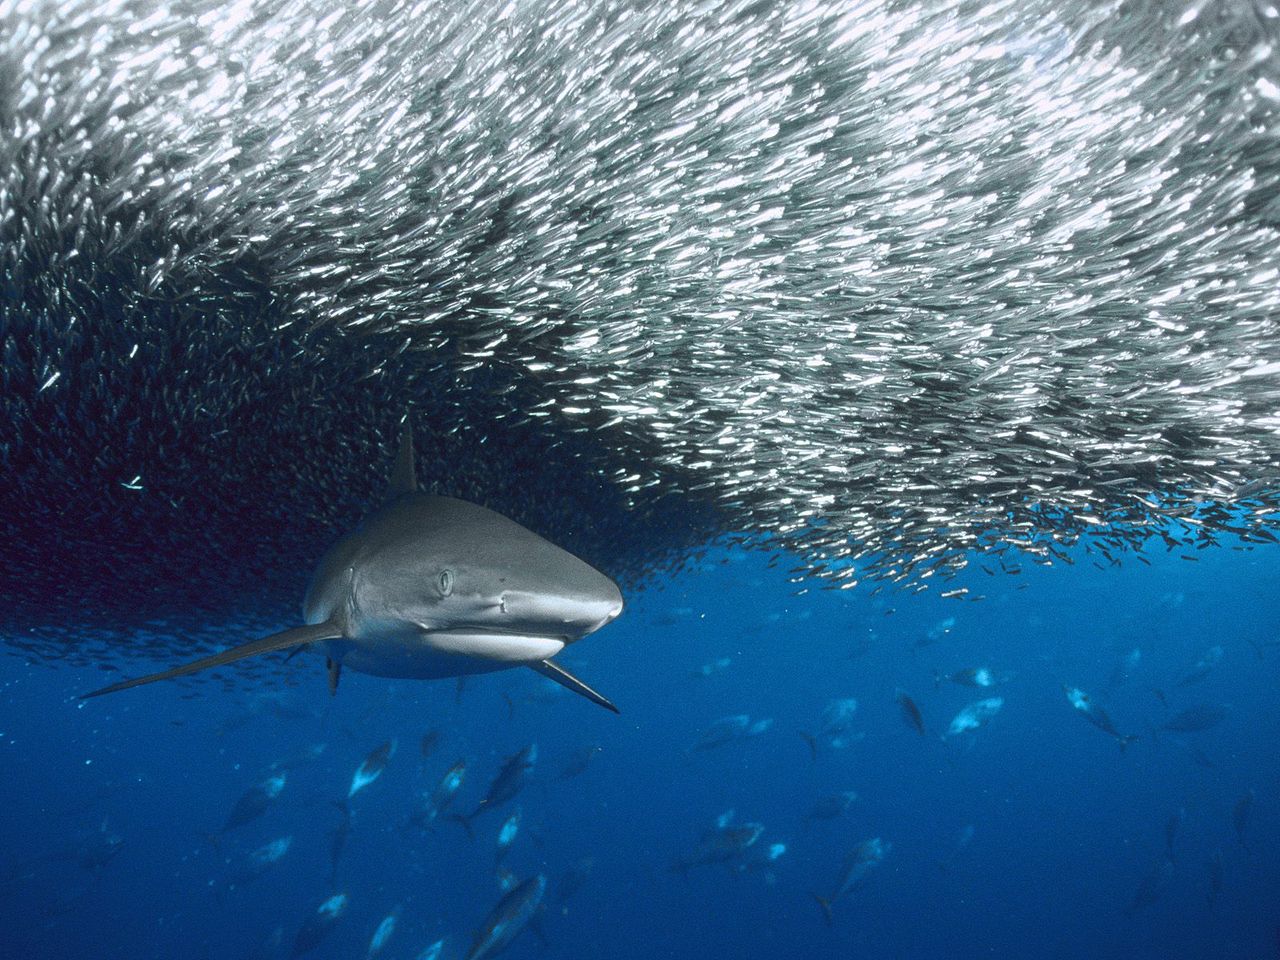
[476, 569]
[462, 580]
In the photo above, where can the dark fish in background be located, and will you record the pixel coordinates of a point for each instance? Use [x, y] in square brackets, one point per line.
[270, 947]
[1171, 832]
[1203, 716]
[1096, 715]
[338, 839]
[1150, 888]
[578, 763]
[371, 767]
[711, 666]
[511, 915]
[574, 878]
[1202, 667]
[729, 729]
[1241, 815]
[430, 740]
[832, 806]
[723, 843]
[836, 726]
[260, 861]
[511, 779]
[1125, 668]
[963, 839]
[319, 925]
[1215, 878]
[910, 712]
[254, 802]
[440, 798]
[860, 861]
[935, 633]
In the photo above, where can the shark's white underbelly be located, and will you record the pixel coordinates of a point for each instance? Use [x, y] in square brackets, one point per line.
[433, 655]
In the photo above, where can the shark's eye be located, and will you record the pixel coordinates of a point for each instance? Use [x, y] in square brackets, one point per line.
[445, 583]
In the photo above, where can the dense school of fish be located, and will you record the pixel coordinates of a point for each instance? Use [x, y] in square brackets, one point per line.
[881, 282]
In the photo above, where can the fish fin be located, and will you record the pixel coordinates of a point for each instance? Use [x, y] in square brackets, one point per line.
[553, 671]
[465, 821]
[535, 924]
[404, 478]
[335, 674]
[812, 741]
[511, 706]
[825, 904]
[277, 641]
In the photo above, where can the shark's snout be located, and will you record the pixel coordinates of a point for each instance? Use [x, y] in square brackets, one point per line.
[572, 614]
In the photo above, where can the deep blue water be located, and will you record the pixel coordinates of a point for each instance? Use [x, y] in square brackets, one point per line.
[1065, 826]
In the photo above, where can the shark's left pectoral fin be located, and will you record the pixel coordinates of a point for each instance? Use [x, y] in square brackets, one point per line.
[277, 641]
[553, 671]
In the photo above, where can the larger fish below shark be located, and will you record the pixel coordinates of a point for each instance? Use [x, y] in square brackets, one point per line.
[889, 284]
[431, 587]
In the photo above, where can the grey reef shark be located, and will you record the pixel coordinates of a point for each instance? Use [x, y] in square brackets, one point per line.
[431, 587]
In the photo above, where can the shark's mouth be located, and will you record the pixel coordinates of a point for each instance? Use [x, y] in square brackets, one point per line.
[493, 644]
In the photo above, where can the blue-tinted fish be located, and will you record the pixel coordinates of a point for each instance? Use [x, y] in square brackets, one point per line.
[579, 762]
[371, 767]
[338, 839]
[1096, 715]
[511, 778]
[439, 799]
[381, 935]
[1202, 667]
[319, 924]
[974, 716]
[260, 861]
[857, 864]
[836, 726]
[511, 915]
[724, 843]
[1150, 888]
[432, 952]
[1203, 716]
[254, 802]
[910, 712]
[979, 677]
[1241, 815]
[728, 729]
[832, 806]
[507, 834]
[1215, 878]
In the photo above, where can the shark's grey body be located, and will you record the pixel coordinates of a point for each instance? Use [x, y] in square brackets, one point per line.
[431, 587]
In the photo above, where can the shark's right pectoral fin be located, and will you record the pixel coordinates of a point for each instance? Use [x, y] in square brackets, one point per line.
[553, 671]
[277, 641]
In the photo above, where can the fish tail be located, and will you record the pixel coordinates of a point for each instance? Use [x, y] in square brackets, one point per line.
[813, 743]
[214, 840]
[1124, 741]
[825, 904]
[464, 821]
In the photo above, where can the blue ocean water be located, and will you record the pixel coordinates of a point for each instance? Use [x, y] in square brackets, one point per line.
[1076, 848]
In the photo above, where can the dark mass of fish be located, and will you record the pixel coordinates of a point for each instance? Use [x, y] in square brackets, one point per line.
[871, 367]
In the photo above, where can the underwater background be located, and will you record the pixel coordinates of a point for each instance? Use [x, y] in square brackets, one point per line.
[971, 307]
[1074, 848]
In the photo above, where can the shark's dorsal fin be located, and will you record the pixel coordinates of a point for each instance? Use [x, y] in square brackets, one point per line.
[404, 479]
[277, 641]
[553, 671]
